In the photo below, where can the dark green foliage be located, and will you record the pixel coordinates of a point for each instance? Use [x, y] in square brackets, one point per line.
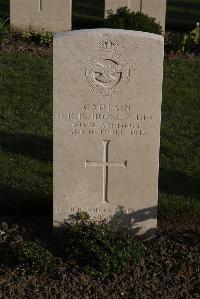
[36, 256]
[4, 8]
[182, 15]
[124, 19]
[87, 14]
[3, 29]
[190, 41]
[43, 39]
[99, 249]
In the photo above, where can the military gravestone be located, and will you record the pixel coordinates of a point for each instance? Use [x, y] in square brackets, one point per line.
[153, 8]
[133, 5]
[41, 15]
[107, 107]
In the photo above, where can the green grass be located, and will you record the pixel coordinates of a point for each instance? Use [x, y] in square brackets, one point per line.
[25, 134]
[180, 140]
[26, 137]
[4, 8]
[88, 14]
[182, 15]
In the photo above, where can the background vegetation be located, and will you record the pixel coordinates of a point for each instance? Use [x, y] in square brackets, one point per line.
[181, 14]
[4, 8]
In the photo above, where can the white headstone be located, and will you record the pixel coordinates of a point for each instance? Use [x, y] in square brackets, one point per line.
[133, 5]
[153, 8]
[107, 107]
[41, 15]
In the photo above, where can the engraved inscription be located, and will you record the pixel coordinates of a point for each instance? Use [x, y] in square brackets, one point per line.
[109, 120]
[100, 210]
[108, 72]
[106, 108]
[105, 164]
[37, 18]
[108, 45]
[100, 213]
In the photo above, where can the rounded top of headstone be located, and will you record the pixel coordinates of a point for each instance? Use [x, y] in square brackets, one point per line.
[103, 31]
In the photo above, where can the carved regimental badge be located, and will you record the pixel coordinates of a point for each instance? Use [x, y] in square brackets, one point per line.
[109, 72]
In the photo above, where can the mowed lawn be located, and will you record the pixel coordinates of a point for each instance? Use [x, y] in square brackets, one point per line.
[182, 15]
[88, 14]
[4, 8]
[25, 134]
[26, 137]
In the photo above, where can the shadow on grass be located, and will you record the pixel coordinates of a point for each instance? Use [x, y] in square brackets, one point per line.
[181, 21]
[4, 8]
[23, 203]
[186, 5]
[88, 14]
[36, 147]
[182, 15]
[179, 183]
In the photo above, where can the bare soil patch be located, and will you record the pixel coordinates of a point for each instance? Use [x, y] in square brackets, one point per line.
[15, 44]
[169, 270]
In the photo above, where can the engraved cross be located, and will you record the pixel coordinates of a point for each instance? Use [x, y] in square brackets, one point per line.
[141, 5]
[105, 164]
[40, 5]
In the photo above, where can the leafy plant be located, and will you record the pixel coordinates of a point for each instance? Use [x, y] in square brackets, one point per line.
[41, 38]
[125, 19]
[46, 38]
[98, 248]
[191, 40]
[37, 257]
[185, 42]
[195, 34]
[3, 29]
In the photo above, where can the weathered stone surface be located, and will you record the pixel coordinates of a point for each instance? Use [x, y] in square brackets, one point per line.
[133, 5]
[41, 15]
[153, 8]
[107, 107]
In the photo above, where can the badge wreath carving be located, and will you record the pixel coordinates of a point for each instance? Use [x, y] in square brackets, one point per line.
[107, 73]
